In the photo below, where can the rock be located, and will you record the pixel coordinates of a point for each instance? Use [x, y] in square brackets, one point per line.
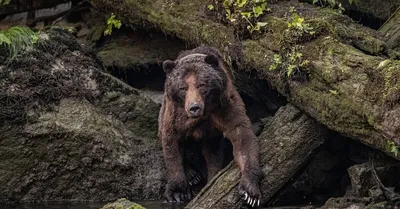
[380, 205]
[366, 192]
[133, 50]
[346, 203]
[123, 203]
[376, 194]
[71, 131]
[365, 185]
[361, 179]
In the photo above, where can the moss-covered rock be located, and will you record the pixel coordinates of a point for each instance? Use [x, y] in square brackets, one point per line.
[71, 131]
[123, 203]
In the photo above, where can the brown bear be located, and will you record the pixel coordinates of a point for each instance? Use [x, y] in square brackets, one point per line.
[201, 102]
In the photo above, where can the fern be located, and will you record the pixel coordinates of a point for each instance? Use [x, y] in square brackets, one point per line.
[16, 39]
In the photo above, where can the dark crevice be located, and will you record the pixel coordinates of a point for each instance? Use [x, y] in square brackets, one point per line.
[326, 175]
[149, 77]
[365, 19]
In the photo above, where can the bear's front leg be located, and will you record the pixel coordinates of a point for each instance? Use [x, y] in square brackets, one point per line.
[236, 126]
[177, 188]
[246, 154]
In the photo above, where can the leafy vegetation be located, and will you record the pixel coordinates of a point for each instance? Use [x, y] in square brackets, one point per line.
[243, 13]
[112, 21]
[293, 61]
[290, 58]
[16, 39]
[391, 147]
[332, 4]
[296, 25]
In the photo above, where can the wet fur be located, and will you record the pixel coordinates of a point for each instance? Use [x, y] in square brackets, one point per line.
[224, 114]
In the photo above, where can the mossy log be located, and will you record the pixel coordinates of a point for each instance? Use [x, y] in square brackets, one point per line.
[286, 143]
[369, 7]
[352, 87]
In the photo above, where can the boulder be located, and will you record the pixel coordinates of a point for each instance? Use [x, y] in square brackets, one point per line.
[123, 203]
[70, 131]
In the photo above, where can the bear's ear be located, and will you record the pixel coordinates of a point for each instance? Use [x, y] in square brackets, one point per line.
[212, 60]
[168, 66]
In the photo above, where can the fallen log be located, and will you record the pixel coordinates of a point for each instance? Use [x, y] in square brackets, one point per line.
[368, 7]
[286, 144]
[351, 86]
[391, 30]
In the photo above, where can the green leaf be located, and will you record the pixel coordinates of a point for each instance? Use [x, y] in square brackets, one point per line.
[334, 92]
[314, 1]
[246, 14]
[290, 70]
[4, 39]
[257, 11]
[241, 3]
[210, 7]
[262, 24]
[277, 58]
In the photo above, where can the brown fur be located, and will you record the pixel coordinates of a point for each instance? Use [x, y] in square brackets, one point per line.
[200, 77]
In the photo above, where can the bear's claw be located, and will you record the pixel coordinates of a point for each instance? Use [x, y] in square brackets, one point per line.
[178, 191]
[250, 193]
[178, 197]
[194, 177]
[252, 201]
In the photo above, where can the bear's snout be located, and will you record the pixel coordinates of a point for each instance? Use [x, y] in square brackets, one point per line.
[195, 110]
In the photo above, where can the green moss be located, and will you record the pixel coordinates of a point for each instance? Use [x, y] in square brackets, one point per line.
[338, 113]
[391, 77]
[187, 24]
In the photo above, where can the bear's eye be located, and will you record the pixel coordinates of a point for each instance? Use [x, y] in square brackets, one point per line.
[182, 89]
[202, 85]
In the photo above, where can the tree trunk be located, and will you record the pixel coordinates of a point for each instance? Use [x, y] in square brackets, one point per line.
[286, 144]
[351, 87]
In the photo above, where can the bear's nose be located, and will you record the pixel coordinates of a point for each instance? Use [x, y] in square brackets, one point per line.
[194, 109]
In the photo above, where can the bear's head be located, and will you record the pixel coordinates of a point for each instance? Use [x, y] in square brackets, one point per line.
[195, 82]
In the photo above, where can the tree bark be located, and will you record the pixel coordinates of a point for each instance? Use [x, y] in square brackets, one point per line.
[351, 86]
[286, 144]
[391, 30]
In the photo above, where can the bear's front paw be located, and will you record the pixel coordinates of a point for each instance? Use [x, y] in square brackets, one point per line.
[178, 191]
[194, 177]
[249, 190]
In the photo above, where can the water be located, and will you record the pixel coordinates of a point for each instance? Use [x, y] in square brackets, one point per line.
[65, 205]
[69, 205]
